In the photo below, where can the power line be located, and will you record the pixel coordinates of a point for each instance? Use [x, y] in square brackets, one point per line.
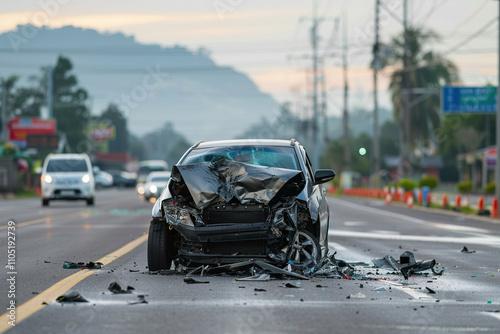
[471, 37]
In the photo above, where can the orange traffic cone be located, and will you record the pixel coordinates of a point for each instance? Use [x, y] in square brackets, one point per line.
[445, 201]
[494, 208]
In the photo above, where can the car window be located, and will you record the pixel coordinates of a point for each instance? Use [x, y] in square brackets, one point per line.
[269, 156]
[67, 165]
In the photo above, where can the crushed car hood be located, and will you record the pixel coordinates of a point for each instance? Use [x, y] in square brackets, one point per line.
[208, 182]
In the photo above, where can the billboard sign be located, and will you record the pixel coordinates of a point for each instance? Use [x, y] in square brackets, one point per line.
[20, 128]
[42, 142]
[469, 100]
[103, 132]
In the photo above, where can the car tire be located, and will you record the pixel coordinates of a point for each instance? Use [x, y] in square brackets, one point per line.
[305, 251]
[161, 250]
[45, 202]
[90, 201]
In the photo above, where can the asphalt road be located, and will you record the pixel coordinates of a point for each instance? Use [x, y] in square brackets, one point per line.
[467, 297]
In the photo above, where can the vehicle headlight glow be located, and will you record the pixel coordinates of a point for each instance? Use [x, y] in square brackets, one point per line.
[153, 189]
[140, 190]
[47, 179]
[86, 178]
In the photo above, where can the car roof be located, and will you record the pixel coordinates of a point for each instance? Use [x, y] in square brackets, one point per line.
[156, 174]
[241, 142]
[67, 156]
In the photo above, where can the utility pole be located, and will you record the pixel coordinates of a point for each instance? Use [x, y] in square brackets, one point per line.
[50, 92]
[376, 67]
[315, 128]
[4, 111]
[497, 165]
[403, 133]
[345, 116]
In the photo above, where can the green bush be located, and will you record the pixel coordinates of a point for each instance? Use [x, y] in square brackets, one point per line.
[464, 186]
[490, 187]
[407, 184]
[428, 181]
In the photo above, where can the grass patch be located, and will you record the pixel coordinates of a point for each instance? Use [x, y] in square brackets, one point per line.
[26, 194]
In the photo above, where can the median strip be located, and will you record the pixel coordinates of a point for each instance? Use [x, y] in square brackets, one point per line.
[36, 303]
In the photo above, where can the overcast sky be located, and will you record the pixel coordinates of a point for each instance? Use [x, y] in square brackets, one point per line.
[270, 40]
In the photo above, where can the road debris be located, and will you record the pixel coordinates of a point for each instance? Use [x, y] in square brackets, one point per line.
[117, 289]
[190, 280]
[82, 265]
[142, 300]
[71, 297]
[358, 295]
[430, 291]
[290, 285]
[406, 265]
[259, 290]
[466, 250]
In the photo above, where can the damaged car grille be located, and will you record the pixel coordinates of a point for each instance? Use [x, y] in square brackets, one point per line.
[235, 214]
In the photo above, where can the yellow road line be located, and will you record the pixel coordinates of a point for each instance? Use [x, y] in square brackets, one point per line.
[35, 304]
[43, 220]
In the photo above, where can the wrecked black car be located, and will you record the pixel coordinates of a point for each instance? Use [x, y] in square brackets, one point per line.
[239, 200]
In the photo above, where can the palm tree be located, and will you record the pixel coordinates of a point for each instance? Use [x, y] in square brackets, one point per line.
[426, 72]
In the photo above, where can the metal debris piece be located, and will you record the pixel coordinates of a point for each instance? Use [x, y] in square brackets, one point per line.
[117, 289]
[359, 295]
[406, 265]
[261, 277]
[82, 265]
[142, 300]
[71, 297]
[466, 250]
[190, 280]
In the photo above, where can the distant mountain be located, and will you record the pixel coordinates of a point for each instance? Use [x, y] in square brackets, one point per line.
[152, 84]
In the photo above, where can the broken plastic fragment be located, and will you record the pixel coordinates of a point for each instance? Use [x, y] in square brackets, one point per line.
[430, 290]
[71, 297]
[261, 277]
[117, 289]
[466, 250]
[359, 295]
[290, 285]
[259, 290]
[190, 280]
[142, 300]
[82, 265]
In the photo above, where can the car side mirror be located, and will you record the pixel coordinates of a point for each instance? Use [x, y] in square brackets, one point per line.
[323, 175]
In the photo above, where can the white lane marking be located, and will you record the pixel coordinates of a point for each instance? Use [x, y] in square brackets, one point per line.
[385, 232]
[416, 294]
[486, 240]
[458, 228]
[493, 314]
[382, 212]
[348, 223]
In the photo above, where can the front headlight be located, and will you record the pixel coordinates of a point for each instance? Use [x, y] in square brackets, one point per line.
[153, 189]
[47, 179]
[86, 178]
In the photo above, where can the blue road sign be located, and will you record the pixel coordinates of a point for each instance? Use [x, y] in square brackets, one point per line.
[475, 100]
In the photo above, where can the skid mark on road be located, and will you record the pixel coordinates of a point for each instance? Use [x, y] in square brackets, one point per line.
[35, 304]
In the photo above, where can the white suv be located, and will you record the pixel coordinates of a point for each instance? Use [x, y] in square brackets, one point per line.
[67, 177]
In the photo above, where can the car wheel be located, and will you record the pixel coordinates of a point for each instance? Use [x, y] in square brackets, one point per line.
[90, 201]
[305, 251]
[45, 202]
[161, 249]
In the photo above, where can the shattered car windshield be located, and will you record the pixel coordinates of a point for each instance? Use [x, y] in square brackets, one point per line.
[280, 157]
